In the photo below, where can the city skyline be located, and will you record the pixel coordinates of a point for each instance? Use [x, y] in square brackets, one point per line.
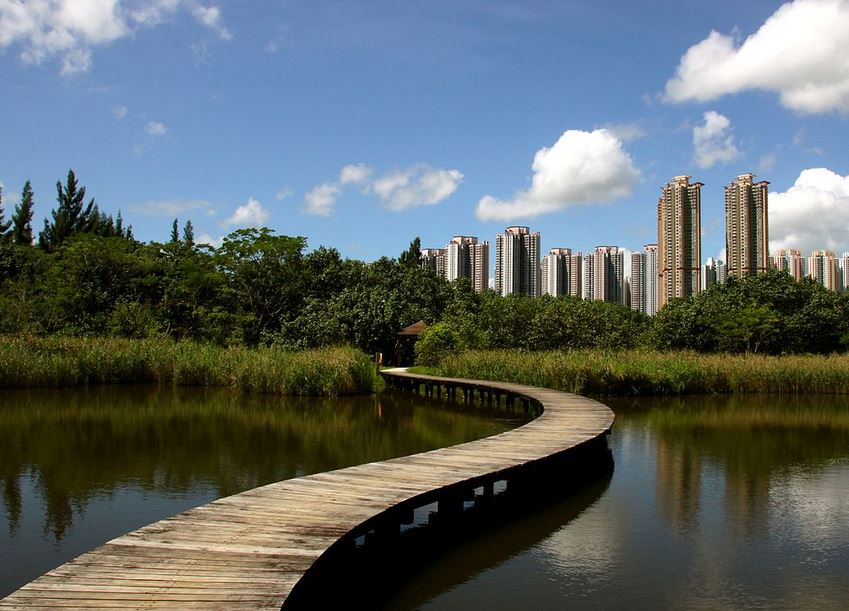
[336, 120]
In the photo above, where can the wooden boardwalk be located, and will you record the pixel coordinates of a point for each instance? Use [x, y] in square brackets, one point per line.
[250, 550]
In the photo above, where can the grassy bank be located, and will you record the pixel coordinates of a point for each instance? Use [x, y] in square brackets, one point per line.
[31, 361]
[594, 372]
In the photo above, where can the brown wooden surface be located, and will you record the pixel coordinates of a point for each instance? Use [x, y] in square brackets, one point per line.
[250, 549]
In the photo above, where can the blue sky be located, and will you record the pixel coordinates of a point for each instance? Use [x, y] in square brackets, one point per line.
[361, 125]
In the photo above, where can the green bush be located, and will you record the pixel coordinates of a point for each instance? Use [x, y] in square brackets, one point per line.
[435, 343]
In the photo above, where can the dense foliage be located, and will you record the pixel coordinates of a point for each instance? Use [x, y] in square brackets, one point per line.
[90, 277]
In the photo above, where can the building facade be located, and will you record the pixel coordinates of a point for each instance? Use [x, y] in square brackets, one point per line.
[555, 270]
[517, 262]
[576, 273]
[433, 259]
[643, 284]
[824, 268]
[746, 226]
[714, 271]
[465, 257]
[679, 240]
[609, 274]
[789, 260]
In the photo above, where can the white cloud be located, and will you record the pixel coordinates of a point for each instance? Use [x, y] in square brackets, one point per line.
[68, 30]
[119, 112]
[155, 128]
[355, 174]
[173, 208]
[713, 141]
[812, 214]
[210, 16]
[205, 238]
[799, 52]
[418, 185]
[581, 167]
[321, 199]
[283, 194]
[251, 214]
[626, 131]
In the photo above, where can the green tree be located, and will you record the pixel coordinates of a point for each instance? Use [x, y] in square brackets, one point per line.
[72, 215]
[22, 219]
[411, 256]
[175, 232]
[189, 233]
[4, 224]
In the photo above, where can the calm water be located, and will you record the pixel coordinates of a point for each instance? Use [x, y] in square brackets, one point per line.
[714, 503]
[80, 467]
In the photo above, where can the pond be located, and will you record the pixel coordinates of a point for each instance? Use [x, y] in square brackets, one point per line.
[81, 466]
[735, 502]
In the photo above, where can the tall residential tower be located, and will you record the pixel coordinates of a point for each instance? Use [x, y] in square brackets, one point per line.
[678, 239]
[517, 262]
[746, 228]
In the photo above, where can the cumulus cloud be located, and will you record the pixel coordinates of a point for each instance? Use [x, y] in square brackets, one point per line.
[799, 52]
[155, 128]
[812, 214]
[356, 174]
[713, 141]
[251, 214]
[68, 30]
[320, 201]
[207, 239]
[173, 208]
[283, 193]
[418, 185]
[581, 167]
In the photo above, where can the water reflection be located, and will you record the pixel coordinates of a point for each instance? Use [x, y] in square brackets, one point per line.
[80, 466]
[716, 503]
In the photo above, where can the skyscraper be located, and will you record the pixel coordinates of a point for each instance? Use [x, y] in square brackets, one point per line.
[555, 269]
[643, 296]
[576, 275]
[517, 262]
[714, 271]
[789, 260]
[609, 274]
[465, 257]
[824, 268]
[746, 226]
[588, 277]
[844, 270]
[679, 239]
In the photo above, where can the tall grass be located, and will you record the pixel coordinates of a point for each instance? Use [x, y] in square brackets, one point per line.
[32, 361]
[637, 372]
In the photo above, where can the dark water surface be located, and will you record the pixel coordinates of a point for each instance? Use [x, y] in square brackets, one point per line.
[79, 467]
[714, 503]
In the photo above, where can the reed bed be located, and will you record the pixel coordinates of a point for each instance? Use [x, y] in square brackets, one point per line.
[640, 372]
[57, 362]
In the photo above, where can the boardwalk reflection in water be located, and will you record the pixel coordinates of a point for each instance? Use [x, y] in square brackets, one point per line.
[715, 503]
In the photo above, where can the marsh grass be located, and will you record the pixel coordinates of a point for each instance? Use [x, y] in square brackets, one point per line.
[60, 361]
[637, 372]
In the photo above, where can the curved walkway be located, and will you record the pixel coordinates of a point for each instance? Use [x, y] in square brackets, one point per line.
[250, 550]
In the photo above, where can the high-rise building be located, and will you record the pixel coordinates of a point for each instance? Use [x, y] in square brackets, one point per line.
[714, 271]
[576, 275]
[824, 268]
[678, 239]
[789, 260]
[465, 257]
[643, 287]
[746, 226]
[433, 259]
[609, 274]
[588, 277]
[517, 252]
[844, 270]
[555, 268]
